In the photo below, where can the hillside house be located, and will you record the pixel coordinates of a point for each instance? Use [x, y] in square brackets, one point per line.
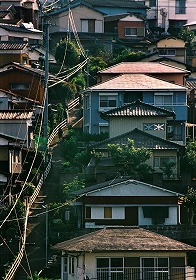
[21, 32]
[126, 202]
[169, 17]
[23, 81]
[163, 151]
[125, 26]
[127, 88]
[156, 69]
[87, 18]
[22, 10]
[124, 253]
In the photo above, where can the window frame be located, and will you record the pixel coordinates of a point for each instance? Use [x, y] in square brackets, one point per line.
[161, 159]
[108, 97]
[180, 7]
[17, 86]
[131, 28]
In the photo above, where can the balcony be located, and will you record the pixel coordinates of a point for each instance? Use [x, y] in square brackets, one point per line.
[144, 273]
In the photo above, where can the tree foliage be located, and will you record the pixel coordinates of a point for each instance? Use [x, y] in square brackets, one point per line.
[189, 201]
[67, 53]
[76, 184]
[187, 35]
[131, 160]
[189, 159]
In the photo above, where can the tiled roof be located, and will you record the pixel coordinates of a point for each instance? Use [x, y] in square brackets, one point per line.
[191, 84]
[141, 139]
[12, 45]
[113, 3]
[135, 82]
[138, 109]
[15, 115]
[122, 239]
[16, 28]
[142, 67]
[117, 181]
[15, 65]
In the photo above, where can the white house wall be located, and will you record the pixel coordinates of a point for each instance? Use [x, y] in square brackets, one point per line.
[172, 220]
[60, 22]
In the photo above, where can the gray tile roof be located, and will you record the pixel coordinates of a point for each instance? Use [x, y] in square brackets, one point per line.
[122, 239]
[12, 45]
[16, 28]
[191, 84]
[141, 139]
[15, 115]
[138, 109]
[126, 179]
[115, 3]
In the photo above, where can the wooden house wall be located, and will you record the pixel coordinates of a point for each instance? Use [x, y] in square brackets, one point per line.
[122, 125]
[36, 89]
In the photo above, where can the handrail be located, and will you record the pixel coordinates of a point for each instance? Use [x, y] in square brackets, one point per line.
[11, 272]
[73, 103]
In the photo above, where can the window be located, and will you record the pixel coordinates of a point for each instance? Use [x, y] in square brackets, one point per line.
[103, 128]
[17, 155]
[167, 52]
[152, 3]
[180, 7]
[160, 162]
[163, 100]
[155, 268]
[107, 212]
[110, 268]
[88, 212]
[71, 265]
[133, 31]
[130, 97]
[20, 86]
[107, 101]
[88, 25]
[154, 126]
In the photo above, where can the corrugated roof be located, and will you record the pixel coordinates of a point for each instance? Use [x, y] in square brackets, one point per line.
[142, 67]
[138, 109]
[141, 139]
[136, 82]
[15, 115]
[13, 45]
[122, 239]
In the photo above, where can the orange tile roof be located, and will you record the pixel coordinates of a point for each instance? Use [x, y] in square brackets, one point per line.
[142, 67]
[136, 82]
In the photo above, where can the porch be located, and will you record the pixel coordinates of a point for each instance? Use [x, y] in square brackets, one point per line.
[143, 273]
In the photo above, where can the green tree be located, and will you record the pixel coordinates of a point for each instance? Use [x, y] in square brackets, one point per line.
[76, 184]
[189, 201]
[37, 277]
[131, 160]
[68, 53]
[187, 35]
[189, 159]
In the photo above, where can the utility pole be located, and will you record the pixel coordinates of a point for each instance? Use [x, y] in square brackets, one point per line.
[46, 27]
[47, 235]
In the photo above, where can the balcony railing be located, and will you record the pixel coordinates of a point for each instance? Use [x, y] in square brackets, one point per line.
[144, 273]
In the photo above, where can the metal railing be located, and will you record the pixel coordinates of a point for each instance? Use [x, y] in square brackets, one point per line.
[12, 270]
[143, 273]
[73, 104]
